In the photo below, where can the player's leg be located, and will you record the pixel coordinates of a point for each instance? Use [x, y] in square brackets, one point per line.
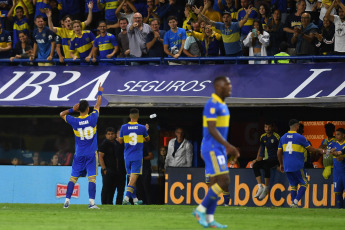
[267, 166]
[293, 185]
[302, 180]
[338, 190]
[70, 188]
[77, 170]
[256, 168]
[136, 170]
[92, 172]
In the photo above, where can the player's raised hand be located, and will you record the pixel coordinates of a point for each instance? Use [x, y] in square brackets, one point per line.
[76, 107]
[48, 13]
[90, 5]
[100, 88]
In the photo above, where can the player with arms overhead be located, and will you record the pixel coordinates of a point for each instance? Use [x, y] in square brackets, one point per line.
[86, 156]
[291, 152]
[214, 149]
[133, 135]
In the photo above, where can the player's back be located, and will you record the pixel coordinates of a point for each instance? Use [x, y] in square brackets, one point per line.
[338, 166]
[215, 110]
[293, 145]
[85, 131]
[133, 135]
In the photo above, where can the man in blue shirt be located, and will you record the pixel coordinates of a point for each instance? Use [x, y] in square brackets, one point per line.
[154, 40]
[174, 39]
[214, 150]
[291, 152]
[86, 156]
[133, 135]
[44, 42]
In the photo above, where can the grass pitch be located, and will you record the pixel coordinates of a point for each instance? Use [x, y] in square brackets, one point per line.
[53, 216]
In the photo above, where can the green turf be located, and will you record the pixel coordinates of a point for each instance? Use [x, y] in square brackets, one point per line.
[53, 216]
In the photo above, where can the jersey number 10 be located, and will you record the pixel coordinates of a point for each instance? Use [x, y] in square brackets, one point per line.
[86, 133]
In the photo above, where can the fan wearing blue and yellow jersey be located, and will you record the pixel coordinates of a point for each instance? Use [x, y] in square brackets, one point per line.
[133, 135]
[66, 33]
[105, 43]
[20, 21]
[214, 150]
[81, 43]
[339, 166]
[291, 152]
[5, 43]
[85, 159]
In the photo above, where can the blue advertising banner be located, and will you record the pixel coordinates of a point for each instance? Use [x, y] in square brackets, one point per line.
[65, 85]
[187, 186]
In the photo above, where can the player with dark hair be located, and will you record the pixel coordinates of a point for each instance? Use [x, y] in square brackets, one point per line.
[133, 135]
[338, 150]
[328, 161]
[291, 153]
[86, 156]
[214, 149]
[266, 158]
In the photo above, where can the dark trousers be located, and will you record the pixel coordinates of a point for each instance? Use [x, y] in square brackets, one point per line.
[111, 182]
[266, 165]
[144, 188]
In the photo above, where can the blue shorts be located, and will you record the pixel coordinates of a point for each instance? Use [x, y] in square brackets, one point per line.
[135, 167]
[83, 164]
[215, 160]
[297, 177]
[339, 182]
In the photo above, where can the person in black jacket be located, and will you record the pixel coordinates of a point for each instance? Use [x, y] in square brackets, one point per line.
[113, 167]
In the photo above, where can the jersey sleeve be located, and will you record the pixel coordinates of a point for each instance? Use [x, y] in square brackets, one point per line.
[210, 111]
[94, 116]
[280, 146]
[70, 119]
[218, 25]
[304, 142]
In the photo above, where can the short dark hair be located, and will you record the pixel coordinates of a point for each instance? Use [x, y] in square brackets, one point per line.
[330, 127]
[134, 111]
[283, 47]
[121, 19]
[155, 19]
[110, 129]
[39, 16]
[219, 78]
[20, 8]
[269, 122]
[342, 130]
[83, 105]
[102, 21]
[172, 17]
[293, 121]
[65, 17]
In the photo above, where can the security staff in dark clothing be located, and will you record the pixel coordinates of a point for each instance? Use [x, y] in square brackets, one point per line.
[266, 159]
[144, 180]
[113, 171]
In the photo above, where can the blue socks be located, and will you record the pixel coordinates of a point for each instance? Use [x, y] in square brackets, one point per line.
[301, 192]
[338, 200]
[293, 193]
[226, 196]
[129, 191]
[212, 197]
[92, 190]
[70, 188]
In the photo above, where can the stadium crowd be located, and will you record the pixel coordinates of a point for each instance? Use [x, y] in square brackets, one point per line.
[106, 29]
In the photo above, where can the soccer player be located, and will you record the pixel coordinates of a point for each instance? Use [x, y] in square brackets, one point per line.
[133, 135]
[291, 151]
[214, 149]
[327, 160]
[339, 166]
[86, 156]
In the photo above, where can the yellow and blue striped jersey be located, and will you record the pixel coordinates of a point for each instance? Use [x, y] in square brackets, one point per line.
[231, 37]
[5, 40]
[85, 131]
[110, 8]
[82, 44]
[293, 145]
[105, 44]
[20, 26]
[215, 110]
[338, 166]
[133, 135]
[66, 36]
[247, 27]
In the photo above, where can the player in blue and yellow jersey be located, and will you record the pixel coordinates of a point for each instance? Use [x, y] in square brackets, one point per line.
[21, 21]
[133, 135]
[214, 150]
[266, 158]
[338, 150]
[85, 159]
[81, 43]
[291, 153]
[325, 144]
[67, 32]
[230, 31]
[105, 43]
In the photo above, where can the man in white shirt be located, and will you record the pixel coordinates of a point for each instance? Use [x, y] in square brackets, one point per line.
[339, 23]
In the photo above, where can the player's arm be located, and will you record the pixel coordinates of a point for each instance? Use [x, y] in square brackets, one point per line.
[311, 149]
[67, 111]
[101, 162]
[280, 159]
[218, 137]
[99, 98]
[336, 153]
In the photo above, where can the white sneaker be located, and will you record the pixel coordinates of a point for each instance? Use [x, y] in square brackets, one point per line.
[293, 205]
[93, 206]
[258, 193]
[264, 193]
[66, 204]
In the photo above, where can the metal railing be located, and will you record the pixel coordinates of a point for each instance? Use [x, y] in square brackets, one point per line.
[197, 60]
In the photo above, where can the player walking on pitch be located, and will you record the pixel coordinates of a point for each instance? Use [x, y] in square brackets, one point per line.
[86, 156]
[214, 149]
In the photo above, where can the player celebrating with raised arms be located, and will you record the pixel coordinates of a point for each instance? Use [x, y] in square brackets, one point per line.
[214, 149]
[86, 156]
[291, 158]
[133, 135]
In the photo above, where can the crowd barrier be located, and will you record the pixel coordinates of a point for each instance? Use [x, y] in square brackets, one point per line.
[186, 186]
[198, 60]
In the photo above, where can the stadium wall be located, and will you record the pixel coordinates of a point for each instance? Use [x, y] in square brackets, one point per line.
[185, 186]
